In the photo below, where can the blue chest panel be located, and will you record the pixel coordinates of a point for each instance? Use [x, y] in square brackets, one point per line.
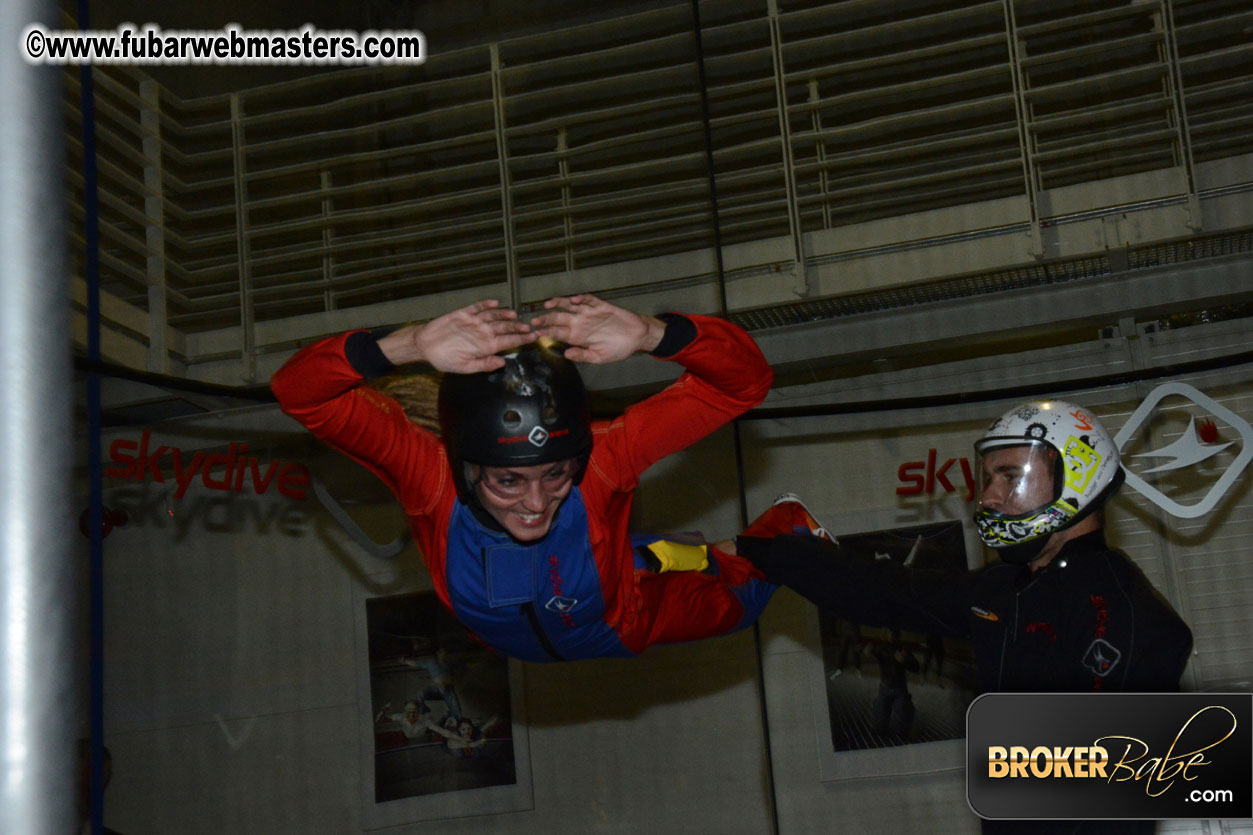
[537, 601]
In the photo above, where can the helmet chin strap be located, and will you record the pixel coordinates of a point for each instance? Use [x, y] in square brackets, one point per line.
[468, 490]
[1023, 552]
[485, 519]
[471, 497]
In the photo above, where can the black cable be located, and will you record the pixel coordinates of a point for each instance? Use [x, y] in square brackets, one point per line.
[109, 369]
[95, 500]
[1033, 390]
[735, 426]
[264, 395]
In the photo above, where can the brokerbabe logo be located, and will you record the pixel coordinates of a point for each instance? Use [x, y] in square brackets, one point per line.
[1110, 755]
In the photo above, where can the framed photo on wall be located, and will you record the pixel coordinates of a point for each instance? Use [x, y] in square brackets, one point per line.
[443, 735]
[886, 692]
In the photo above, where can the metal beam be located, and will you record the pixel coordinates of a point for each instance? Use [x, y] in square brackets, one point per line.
[942, 330]
[936, 328]
[39, 634]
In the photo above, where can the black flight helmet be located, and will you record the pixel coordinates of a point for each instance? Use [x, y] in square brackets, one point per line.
[534, 410]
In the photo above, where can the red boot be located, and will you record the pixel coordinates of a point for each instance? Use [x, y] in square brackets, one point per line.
[787, 514]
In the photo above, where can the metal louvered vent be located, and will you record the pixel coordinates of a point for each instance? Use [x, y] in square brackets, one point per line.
[839, 150]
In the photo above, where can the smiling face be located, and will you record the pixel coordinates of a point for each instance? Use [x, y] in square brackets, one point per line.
[524, 500]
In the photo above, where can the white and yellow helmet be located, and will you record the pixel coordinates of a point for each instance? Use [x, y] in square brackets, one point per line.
[1081, 461]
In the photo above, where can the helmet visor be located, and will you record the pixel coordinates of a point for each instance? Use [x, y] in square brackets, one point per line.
[1016, 477]
[1018, 492]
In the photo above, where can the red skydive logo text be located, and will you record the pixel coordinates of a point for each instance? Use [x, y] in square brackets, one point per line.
[229, 471]
[918, 477]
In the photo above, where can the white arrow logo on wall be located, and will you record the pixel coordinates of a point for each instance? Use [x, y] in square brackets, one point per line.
[1187, 451]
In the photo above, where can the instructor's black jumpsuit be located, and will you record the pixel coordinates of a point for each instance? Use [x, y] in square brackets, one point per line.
[1089, 621]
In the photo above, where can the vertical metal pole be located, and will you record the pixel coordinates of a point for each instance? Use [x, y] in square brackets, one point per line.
[154, 212]
[506, 182]
[248, 354]
[95, 469]
[1025, 144]
[1183, 132]
[720, 265]
[567, 221]
[328, 236]
[800, 281]
[820, 151]
[38, 588]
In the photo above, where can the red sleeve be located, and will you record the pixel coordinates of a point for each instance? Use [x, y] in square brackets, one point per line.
[320, 389]
[725, 376]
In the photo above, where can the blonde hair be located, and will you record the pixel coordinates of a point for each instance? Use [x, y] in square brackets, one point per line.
[417, 395]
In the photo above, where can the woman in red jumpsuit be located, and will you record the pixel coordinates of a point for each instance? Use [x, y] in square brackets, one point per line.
[521, 510]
